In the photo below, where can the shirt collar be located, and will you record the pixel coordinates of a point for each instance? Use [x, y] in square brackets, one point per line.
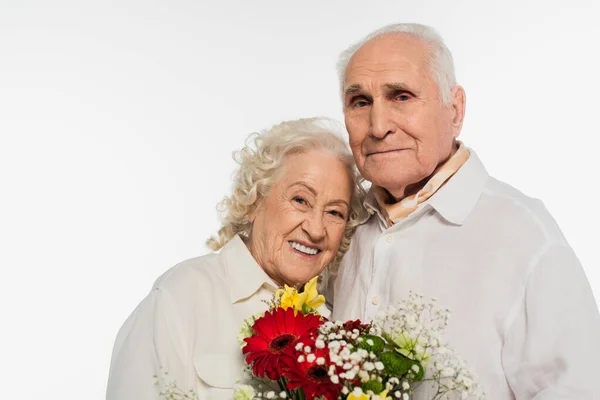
[455, 200]
[372, 207]
[246, 277]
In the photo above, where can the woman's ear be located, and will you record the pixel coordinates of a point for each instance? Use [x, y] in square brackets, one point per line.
[252, 215]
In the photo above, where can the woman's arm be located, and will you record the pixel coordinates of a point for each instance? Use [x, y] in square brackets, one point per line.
[145, 348]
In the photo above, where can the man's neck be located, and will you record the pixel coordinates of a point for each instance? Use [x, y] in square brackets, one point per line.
[414, 188]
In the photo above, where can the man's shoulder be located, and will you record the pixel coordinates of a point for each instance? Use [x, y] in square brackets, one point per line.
[501, 194]
[370, 227]
[505, 203]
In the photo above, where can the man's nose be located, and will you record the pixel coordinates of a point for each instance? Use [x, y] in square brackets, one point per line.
[381, 123]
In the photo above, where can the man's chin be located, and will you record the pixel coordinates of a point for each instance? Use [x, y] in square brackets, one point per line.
[388, 182]
[396, 186]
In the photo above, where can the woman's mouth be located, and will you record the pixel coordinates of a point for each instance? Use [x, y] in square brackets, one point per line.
[310, 251]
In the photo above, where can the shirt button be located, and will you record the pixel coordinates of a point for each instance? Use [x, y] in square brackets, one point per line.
[389, 239]
[375, 300]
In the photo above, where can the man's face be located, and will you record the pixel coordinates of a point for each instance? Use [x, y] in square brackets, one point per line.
[400, 130]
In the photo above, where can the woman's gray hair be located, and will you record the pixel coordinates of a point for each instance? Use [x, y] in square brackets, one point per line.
[440, 61]
[259, 162]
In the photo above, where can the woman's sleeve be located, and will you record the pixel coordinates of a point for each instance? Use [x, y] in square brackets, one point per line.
[146, 348]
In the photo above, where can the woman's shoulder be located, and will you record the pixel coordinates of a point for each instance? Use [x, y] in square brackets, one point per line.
[192, 273]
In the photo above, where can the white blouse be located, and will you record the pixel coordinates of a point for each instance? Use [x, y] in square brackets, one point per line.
[188, 326]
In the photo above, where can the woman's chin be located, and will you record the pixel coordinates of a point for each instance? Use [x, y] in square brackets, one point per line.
[295, 279]
[301, 267]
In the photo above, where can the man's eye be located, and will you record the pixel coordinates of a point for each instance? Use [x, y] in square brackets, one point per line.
[360, 104]
[403, 97]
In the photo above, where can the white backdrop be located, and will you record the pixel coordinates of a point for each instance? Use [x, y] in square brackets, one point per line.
[117, 124]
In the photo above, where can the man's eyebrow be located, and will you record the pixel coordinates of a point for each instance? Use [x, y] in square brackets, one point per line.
[352, 89]
[392, 86]
[396, 86]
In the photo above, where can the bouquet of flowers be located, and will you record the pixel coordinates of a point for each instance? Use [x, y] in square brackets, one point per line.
[292, 352]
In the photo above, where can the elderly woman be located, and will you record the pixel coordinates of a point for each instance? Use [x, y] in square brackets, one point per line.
[295, 204]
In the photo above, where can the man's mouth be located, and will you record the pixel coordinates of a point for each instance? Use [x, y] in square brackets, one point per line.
[311, 251]
[384, 152]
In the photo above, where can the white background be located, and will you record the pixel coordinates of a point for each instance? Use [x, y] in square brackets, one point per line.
[117, 124]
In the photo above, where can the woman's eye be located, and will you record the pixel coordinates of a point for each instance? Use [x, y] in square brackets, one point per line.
[337, 214]
[299, 200]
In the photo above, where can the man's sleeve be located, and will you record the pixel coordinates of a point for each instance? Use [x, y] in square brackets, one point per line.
[552, 341]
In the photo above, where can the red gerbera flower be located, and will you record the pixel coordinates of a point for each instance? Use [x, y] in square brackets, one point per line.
[309, 371]
[356, 324]
[276, 334]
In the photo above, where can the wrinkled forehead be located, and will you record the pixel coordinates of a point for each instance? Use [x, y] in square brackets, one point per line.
[385, 57]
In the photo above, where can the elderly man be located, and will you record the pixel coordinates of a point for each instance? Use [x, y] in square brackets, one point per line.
[524, 316]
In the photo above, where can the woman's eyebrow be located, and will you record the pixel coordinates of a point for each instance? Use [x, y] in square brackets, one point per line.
[306, 186]
[340, 201]
[314, 193]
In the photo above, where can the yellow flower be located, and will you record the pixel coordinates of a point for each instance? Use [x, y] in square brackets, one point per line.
[382, 396]
[362, 396]
[314, 299]
[289, 296]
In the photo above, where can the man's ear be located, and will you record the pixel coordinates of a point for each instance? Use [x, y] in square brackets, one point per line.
[458, 105]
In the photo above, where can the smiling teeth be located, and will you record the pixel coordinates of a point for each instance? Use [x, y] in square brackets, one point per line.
[304, 249]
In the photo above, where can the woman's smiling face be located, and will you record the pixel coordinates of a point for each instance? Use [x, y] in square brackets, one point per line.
[298, 227]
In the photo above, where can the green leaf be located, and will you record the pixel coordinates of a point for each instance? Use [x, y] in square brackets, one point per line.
[372, 385]
[376, 347]
[397, 365]
[307, 309]
[421, 374]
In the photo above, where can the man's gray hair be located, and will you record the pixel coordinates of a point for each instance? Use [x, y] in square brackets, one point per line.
[440, 61]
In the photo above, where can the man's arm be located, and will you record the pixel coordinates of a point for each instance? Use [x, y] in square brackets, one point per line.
[552, 340]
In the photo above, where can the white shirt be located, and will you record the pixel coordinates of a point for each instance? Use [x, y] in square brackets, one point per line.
[188, 325]
[523, 313]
